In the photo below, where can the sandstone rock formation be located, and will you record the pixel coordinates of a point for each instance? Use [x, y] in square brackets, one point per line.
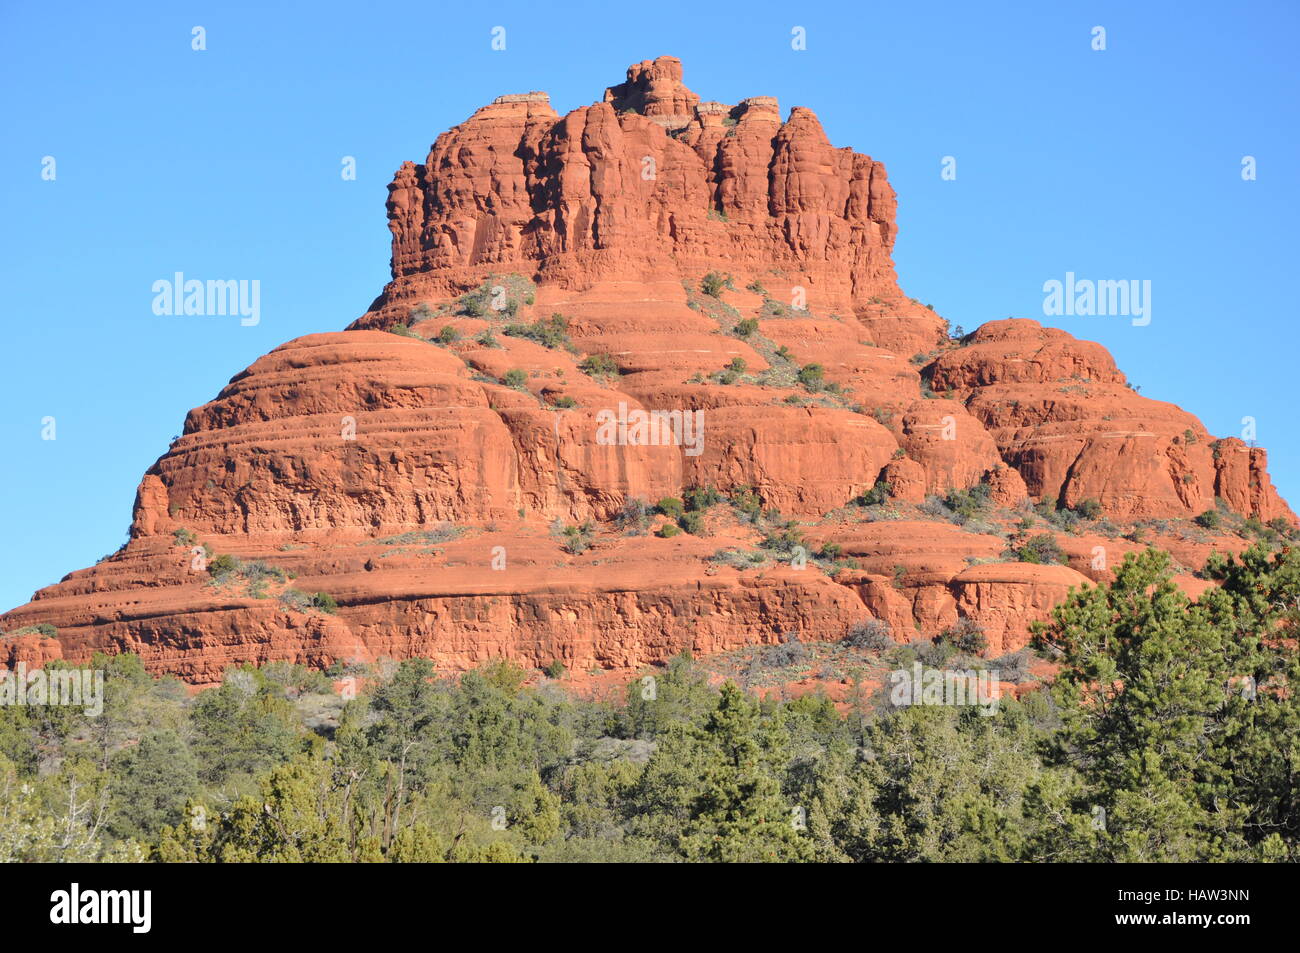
[447, 485]
[1064, 417]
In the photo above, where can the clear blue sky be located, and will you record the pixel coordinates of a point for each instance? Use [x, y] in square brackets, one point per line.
[226, 164]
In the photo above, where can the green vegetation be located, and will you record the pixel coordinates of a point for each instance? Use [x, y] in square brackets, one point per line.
[1068, 518]
[634, 516]
[475, 303]
[221, 566]
[812, 376]
[577, 539]
[748, 504]
[324, 602]
[732, 372]
[515, 378]
[499, 295]
[1210, 519]
[1281, 526]
[783, 537]
[253, 575]
[304, 601]
[877, 495]
[688, 514]
[44, 629]
[552, 332]
[671, 507]
[965, 635]
[692, 523]
[1042, 548]
[872, 635]
[968, 504]
[599, 365]
[424, 537]
[1165, 737]
[702, 497]
[714, 283]
[1181, 710]
[1088, 509]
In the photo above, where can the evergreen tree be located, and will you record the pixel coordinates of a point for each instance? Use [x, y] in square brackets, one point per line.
[739, 813]
[152, 780]
[1169, 759]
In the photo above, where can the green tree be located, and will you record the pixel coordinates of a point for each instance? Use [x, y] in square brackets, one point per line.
[679, 695]
[58, 818]
[1152, 729]
[738, 813]
[152, 781]
[408, 712]
[242, 728]
[949, 783]
[290, 822]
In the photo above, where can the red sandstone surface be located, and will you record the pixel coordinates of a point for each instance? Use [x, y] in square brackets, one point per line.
[400, 474]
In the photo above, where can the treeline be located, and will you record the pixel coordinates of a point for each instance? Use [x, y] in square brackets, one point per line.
[1170, 733]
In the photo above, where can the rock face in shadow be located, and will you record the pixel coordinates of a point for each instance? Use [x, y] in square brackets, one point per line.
[461, 470]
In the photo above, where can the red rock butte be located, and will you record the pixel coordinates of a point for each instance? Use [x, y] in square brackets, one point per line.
[424, 479]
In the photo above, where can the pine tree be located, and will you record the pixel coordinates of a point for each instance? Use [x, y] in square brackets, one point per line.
[740, 813]
[1154, 730]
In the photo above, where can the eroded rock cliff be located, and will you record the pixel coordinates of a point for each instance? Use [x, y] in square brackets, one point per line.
[438, 469]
